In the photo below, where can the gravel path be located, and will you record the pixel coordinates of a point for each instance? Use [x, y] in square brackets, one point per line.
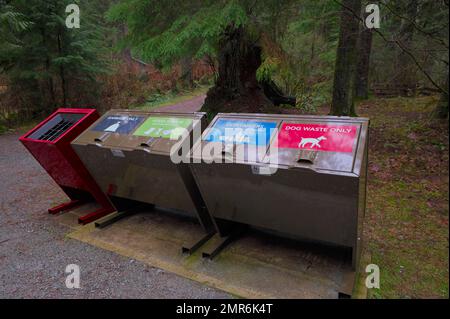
[34, 251]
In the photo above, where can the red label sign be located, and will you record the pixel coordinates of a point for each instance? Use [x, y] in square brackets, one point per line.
[331, 138]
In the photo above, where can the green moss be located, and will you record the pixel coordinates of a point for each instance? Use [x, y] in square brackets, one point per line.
[406, 226]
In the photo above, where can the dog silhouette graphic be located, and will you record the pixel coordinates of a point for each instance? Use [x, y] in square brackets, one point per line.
[315, 142]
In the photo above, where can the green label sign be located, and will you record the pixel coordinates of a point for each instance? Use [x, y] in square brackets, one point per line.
[164, 127]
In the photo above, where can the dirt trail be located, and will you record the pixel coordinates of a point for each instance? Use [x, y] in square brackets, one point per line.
[189, 106]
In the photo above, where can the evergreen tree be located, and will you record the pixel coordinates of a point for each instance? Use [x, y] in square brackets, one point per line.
[11, 23]
[53, 65]
[163, 32]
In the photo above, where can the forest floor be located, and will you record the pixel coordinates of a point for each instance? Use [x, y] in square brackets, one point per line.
[406, 226]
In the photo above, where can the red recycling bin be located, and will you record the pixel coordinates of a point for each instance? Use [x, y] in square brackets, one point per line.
[49, 143]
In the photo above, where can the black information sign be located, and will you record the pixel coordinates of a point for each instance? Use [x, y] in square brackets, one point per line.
[122, 124]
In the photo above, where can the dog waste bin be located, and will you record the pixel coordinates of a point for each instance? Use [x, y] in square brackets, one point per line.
[299, 176]
[137, 156]
[49, 143]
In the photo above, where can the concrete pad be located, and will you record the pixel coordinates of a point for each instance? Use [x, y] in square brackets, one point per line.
[255, 266]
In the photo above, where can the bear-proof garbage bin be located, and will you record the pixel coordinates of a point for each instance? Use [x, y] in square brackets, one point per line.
[137, 155]
[49, 143]
[303, 177]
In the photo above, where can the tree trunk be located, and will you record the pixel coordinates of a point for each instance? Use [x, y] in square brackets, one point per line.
[50, 85]
[346, 60]
[126, 52]
[62, 72]
[363, 66]
[236, 88]
[186, 72]
[313, 46]
[441, 111]
[407, 77]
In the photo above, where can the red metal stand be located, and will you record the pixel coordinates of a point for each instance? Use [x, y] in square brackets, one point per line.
[49, 143]
[86, 219]
[65, 206]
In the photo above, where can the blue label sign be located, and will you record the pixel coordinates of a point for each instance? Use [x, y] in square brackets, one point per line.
[122, 124]
[249, 132]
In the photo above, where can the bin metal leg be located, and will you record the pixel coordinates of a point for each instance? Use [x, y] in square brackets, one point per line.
[66, 206]
[216, 249]
[347, 285]
[99, 213]
[224, 241]
[112, 218]
[191, 248]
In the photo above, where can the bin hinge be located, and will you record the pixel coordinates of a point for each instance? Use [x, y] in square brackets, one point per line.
[263, 170]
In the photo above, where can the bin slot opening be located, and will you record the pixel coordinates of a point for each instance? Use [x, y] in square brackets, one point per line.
[306, 157]
[304, 161]
[54, 128]
[228, 149]
[148, 143]
[102, 138]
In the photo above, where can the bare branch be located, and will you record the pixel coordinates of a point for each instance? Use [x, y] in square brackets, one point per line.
[414, 24]
[401, 46]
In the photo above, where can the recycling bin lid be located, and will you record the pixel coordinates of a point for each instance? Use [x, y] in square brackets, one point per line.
[320, 143]
[154, 132]
[56, 126]
[241, 138]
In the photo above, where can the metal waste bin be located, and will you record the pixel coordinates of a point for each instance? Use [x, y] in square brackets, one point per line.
[129, 154]
[303, 177]
[49, 143]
